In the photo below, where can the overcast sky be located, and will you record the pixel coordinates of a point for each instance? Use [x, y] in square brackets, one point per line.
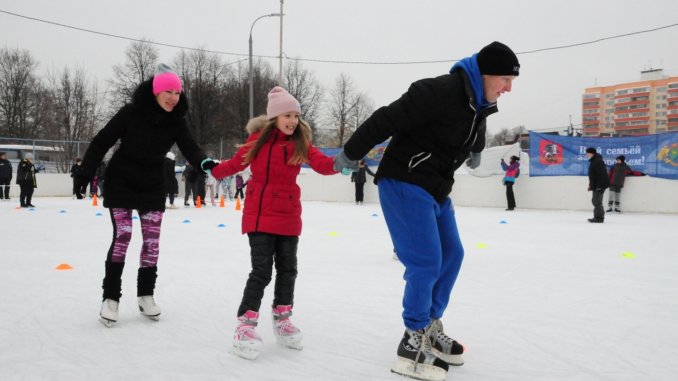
[547, 92]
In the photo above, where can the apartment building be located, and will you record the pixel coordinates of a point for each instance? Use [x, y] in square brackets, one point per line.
[649, 106]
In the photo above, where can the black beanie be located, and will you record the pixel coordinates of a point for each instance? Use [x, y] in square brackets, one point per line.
[498, 59]
[591, 150]
[621, 158]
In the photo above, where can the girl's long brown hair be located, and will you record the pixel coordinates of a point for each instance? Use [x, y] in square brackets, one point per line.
[301, 138]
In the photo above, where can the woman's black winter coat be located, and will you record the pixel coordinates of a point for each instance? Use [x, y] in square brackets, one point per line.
[134, 175]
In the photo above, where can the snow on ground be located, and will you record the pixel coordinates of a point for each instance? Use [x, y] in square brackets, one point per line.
[543, 296]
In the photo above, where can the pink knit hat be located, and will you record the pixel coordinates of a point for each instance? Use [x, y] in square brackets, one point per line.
[281, 102]
[165, 79]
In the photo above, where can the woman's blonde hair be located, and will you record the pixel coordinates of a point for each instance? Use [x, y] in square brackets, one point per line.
[301, 138]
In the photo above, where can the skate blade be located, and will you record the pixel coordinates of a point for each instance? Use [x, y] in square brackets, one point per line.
[454, 360]
[153, 317]
[424, 372]
[107, 322]
[292, 342]
[246, 351]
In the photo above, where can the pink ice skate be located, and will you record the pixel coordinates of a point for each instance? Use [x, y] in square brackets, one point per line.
[286, 333]
[246, 341]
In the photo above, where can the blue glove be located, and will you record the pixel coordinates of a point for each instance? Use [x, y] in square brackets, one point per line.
[345, 165]
[208, 164]
[473, 160]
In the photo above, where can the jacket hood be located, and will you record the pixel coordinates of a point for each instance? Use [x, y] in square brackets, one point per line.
[256, 124]
[143, 98]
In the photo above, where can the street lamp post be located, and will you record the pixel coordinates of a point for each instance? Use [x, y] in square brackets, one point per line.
[250, 59]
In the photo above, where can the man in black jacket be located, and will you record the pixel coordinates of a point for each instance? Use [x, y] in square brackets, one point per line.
[5, 176]
[434, 127]
[598, 182]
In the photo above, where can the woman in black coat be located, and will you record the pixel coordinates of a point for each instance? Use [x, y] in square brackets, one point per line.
[146, 129]
[25, 178]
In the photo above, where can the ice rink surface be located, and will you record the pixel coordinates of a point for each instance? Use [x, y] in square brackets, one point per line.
[542, 295]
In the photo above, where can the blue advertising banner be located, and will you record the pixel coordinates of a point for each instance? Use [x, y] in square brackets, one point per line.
[554, 155]
[372, 159]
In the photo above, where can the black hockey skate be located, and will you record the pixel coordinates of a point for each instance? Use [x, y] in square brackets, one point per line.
[415, 358]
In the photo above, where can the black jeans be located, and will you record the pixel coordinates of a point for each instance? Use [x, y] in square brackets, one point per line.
[510, 198]
[26, 194]
[597, 201]
[4, 187]
[267, 249]
[359, 194]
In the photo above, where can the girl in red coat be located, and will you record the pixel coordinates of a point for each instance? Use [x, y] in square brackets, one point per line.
[279, 143]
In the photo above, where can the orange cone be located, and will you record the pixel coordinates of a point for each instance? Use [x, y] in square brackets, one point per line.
[198, 203]
[222, 203]
[64, 266]
[94, 200]
[237, 203]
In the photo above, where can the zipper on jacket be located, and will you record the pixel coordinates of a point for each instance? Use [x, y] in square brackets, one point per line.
[263, 188]
[473, 123]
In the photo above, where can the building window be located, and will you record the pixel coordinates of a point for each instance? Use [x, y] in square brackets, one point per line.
[641, 90]
[673, 85]
[661, 89]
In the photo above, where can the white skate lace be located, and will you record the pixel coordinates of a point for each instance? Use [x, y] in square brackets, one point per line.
[246, 332]
[424, 341]
[285, 327]
[439, 334]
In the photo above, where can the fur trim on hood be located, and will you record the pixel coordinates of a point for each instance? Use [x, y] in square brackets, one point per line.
[256, 124]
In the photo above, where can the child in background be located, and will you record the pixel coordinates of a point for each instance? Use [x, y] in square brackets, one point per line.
[512, 172]
[618, 173]
[279, 143]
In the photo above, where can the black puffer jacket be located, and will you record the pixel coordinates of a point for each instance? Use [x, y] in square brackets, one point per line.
[598, 179]
[5, 169]
[434, 126]
[134, 175]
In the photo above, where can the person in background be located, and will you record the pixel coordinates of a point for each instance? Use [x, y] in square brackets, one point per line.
[279, 143]
[617, 174]
[436, 125]
[512, 172]
[211, 185]
[359, 178]
[78, 191]
[188, 176]
[240, 184]
[25, 178]
[146, 129]
[100, 176]
[598, 182]
[226, 187]
[199, 187]
[171, 183]
[5, 176]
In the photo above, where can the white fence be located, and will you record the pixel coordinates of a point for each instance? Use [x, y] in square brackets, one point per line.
[640, 194]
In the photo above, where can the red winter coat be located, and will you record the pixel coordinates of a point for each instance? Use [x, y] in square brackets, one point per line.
[273, 198]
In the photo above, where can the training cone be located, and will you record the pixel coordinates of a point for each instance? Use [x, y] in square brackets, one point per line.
[95, 202]
[198, 203]
[64, 266]
[237, 203]
[222, 203]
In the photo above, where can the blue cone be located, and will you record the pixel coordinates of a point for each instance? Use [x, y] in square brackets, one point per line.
[221, 225]
[186, 221]
[503, 222]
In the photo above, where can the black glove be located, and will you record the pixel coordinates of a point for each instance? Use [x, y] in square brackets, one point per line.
[208, 164]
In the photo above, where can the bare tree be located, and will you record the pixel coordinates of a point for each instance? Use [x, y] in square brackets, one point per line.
[76, 111]
[141, 60]
[302, 84]
[504, 136]
[22, 102]
[341, 107]
[347, 110]
[204, 77]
